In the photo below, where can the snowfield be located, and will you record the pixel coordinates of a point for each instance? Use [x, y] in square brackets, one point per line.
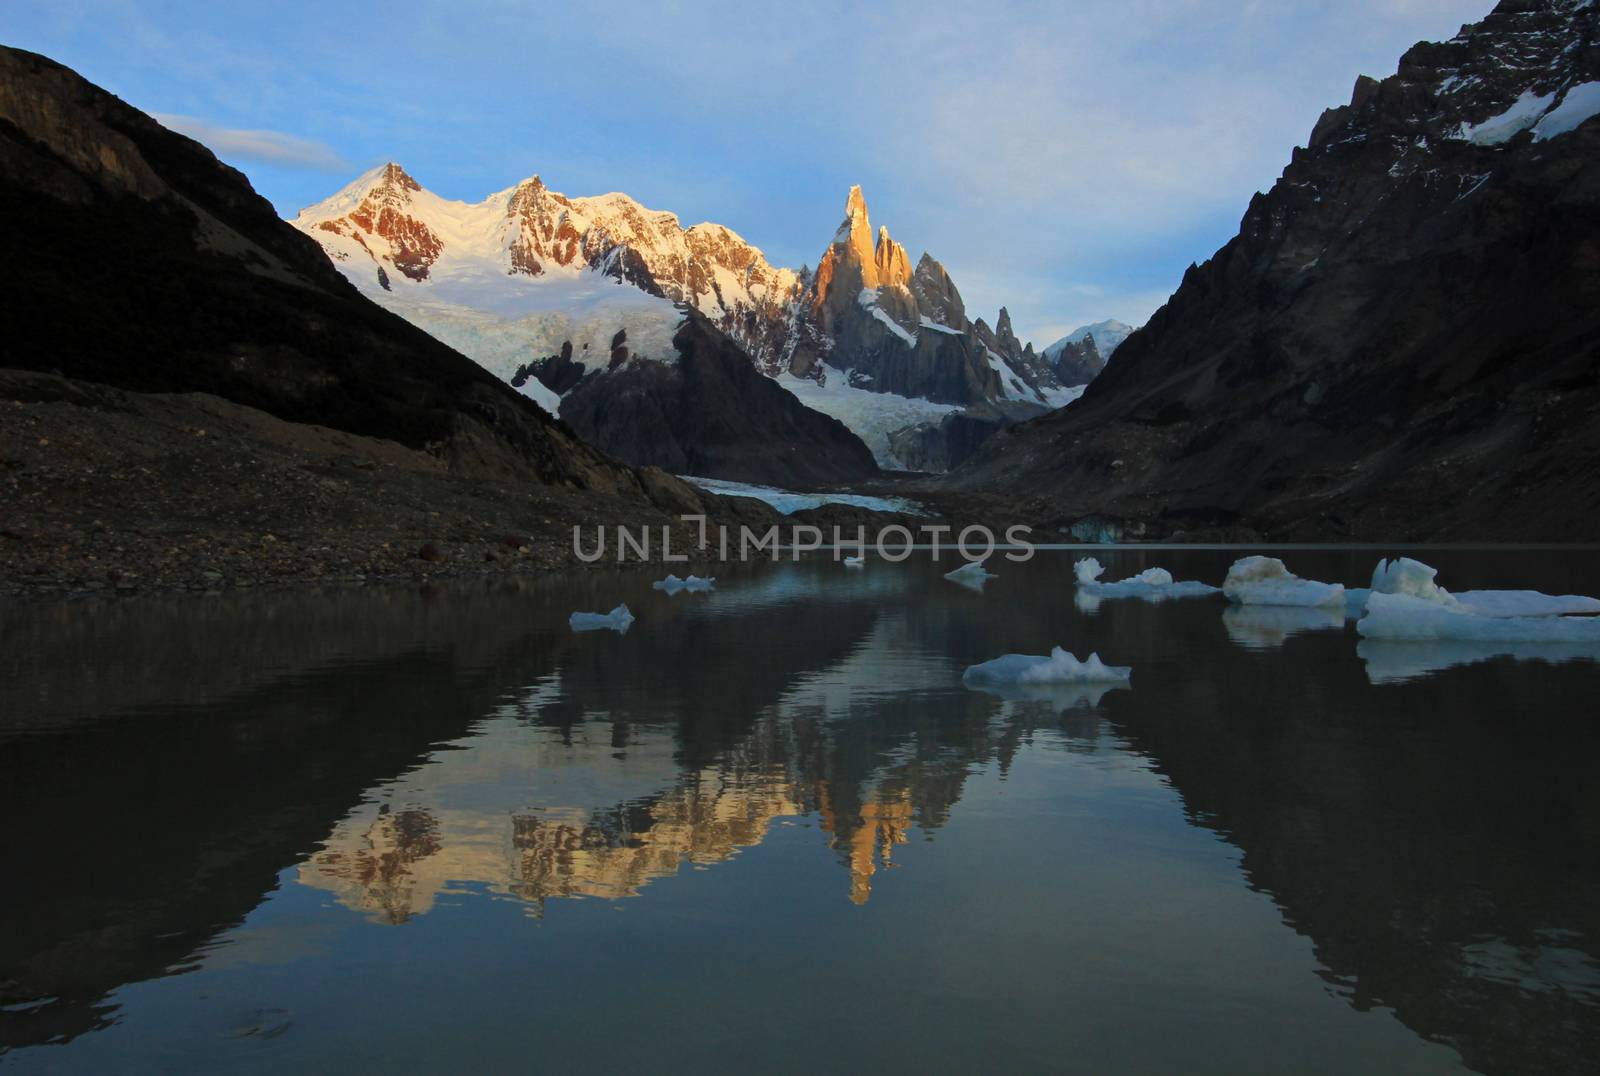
[871, 416]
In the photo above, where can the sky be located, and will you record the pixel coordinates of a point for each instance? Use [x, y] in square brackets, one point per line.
[1068, 160]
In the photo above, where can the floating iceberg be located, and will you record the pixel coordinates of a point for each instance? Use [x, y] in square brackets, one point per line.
[619, 620]
[672, 584]
[971, 575]
[1391, 661]
[1152, 584]
[1265, 627]
[1059, 668]
[1265, 581]
[1405, 616]
[1415, 579]
[855, 562]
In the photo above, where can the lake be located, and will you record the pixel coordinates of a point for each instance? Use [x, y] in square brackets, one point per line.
[436, 830]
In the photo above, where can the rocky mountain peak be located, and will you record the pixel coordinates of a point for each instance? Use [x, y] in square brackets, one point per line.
[397, 178]
[892, 264]
[936, 294]
[852, 243]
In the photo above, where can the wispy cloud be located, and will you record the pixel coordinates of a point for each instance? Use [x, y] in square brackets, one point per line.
[258, 147]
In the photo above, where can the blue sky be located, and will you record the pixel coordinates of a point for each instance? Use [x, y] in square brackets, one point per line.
[1068, 160]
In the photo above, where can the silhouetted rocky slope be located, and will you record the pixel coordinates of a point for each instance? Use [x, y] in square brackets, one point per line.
[1403, 340]
[137, 259]
[194, 397]
[707, 412]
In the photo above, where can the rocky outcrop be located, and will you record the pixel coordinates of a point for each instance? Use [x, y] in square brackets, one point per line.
[1403, 341]
[1078, 363]
[709, 412]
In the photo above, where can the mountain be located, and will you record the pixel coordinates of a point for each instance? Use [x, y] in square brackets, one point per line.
[1108, 336]
[155, 294]
[1403, 340]
[708, 412]
[867, 338]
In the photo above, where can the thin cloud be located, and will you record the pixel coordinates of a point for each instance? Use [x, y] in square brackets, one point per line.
[260, 147]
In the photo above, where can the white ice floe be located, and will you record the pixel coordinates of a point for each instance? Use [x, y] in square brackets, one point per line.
[855, 562]
[971, 575]
[1152, 584]
[1411, 577]
[672, 584]
[1391, 661]
[619, 619]
[1265, 581]
[1059, 668]
[1405, 616]
[1265, 627]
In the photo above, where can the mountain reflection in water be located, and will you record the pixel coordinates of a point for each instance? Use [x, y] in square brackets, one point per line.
[177, 774]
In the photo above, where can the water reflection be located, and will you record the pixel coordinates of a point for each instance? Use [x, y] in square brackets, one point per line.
[1434, 839]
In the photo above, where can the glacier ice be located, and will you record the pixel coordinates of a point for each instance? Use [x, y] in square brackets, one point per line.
[971, 575]
[1059, 668]
[1265, 627]
[619, 620]
[672, 584]
[1265, 581]
[1411, 577]
[1405, 616]
[1406, 576]
[1152, 584]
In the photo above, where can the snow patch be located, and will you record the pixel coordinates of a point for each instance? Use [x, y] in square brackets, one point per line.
[1581, 102]
[1523, 113]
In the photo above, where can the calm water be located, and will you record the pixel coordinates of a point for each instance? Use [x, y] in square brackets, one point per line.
[437, 831]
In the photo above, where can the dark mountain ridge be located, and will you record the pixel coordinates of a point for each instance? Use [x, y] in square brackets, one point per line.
[1401, 342]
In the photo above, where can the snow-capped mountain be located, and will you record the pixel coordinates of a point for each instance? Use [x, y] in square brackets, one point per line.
[1108, 336]
[512, 279]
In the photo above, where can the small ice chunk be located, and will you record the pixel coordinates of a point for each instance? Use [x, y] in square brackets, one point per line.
[1404, 616]
[1265, 581]
[1059, 668]
[971, 575]
[672, 584]
[855, 562]
[1152, 584]
[619, 620]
